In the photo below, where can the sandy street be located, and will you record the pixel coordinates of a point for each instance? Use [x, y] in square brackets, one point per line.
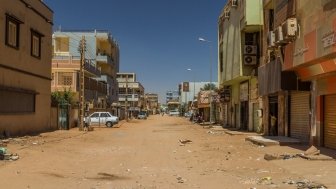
[148, 154]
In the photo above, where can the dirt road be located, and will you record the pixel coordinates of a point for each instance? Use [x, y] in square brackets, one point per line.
[148, 154]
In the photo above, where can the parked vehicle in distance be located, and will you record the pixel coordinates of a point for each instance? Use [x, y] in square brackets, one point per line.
[187, 114]
[174, 113]
[101, 118]
[142, 115]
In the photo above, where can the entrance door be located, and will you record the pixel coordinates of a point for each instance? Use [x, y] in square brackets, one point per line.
[244, 115]
[273, 116]
[330, 121]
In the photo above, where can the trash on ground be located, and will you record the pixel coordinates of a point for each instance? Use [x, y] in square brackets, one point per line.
[185, 141]
[312, 151]
[265, 180]
[180, 180]
[303, 184]
[270, 157]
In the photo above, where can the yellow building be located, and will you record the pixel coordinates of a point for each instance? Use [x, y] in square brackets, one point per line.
[25, 47]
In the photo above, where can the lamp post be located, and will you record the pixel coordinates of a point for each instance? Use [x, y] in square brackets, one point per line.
[210, 62]
[189, 69]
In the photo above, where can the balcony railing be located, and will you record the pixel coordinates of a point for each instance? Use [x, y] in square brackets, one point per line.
[69, 61]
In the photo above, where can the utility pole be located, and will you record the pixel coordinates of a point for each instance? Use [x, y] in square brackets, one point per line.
[82, 48]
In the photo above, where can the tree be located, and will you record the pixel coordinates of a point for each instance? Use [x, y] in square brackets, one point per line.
[62, 97]
[208, 87]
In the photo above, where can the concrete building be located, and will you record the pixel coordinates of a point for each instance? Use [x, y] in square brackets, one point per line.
[133, 98]
[25, 48]
[285, 96]
[152, 102]
[172, 95]
[239, 43]
[193, 89]
[308, 46]
[101, 66]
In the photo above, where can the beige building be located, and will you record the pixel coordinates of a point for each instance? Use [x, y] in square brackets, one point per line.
[239, 45]
[131, 93]
[152, 102]
[100, 68]
[25, 47]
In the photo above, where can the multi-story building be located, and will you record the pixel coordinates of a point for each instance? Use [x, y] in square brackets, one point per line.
[100, 67]
[239, 44]
[25, 48]
[307, 43]
[131, 93]
[172, 95]
[285, 95]
[152, 102]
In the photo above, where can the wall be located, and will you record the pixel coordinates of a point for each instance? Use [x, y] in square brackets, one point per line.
[32, 73]
[232, 39]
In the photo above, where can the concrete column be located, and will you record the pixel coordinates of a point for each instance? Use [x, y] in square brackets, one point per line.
[281, 113]
[266, 115]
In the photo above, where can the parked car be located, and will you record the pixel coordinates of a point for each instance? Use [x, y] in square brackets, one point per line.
[101, 118]
[174, 113]
[142, 115]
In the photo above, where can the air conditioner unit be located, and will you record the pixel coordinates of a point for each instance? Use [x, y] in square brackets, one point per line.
[227, 14]
[278, 36]
[250, 60]
[271, 40]
[250, 49]
[234, 3]
[289, 28]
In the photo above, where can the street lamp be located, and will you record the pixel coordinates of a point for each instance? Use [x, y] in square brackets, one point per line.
[189, 69]
[210, 62]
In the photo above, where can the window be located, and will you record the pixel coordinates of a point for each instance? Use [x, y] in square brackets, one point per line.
[95, 115]
[36, 44]
[12, 31]
[14, 101]
[65, 78]
[104, 115]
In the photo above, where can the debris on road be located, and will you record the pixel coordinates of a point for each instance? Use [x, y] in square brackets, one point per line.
[184, 141]
[180, 180]
[4, 155]
[270, 157]
[312, 151]
[305, 184]
[265, 180]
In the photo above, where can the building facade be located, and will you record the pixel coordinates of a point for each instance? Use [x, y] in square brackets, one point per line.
[152, 103]
[311, 55]
[131, 93]
[25, 48]
[100, 67]
[239, 45]
[172, 95]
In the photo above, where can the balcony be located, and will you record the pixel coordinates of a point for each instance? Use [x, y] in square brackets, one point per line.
[68, 61]
[104, 58]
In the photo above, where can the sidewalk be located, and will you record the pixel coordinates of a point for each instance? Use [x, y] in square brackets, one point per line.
[272, 140]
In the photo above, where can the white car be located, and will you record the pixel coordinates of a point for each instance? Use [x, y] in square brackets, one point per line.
[174, 113]
[101, 118]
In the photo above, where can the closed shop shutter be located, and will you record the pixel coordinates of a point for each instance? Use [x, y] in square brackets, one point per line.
[330, 121]
[299, 116]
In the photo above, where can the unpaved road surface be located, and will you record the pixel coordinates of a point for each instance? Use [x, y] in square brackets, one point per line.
[148, 154]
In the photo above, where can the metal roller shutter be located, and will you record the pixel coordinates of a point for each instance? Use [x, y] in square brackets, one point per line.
[330, 121]
[299, 116]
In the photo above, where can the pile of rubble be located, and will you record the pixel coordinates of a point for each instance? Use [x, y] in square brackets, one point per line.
[5, 155]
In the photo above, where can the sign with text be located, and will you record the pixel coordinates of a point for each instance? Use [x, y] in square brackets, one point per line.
[185, 86]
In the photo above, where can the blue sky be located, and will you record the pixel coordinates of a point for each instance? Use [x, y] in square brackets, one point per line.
[158, 39]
